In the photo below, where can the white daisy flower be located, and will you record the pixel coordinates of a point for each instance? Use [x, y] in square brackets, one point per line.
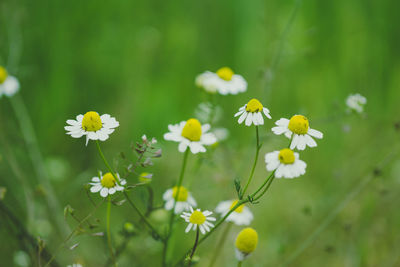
[107, 185]
[94, 126]
[75, 265]
[241, 216]
[197, 218]
[191, 134]
[252, 113]
[246, 242]
[299, 126]
[356, 102]
[286, 163]
[224, 81]
[9, 85]
[184, 201]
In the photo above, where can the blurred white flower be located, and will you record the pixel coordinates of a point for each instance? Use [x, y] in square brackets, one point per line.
[190, 134]
[241, 216]
[224, 81]
[184, 200]
[9, 85]
[207, 113]
[221, 134]
[252, 113]
[107, 185]
[286, 163]
[197, 218]
[299, 126]
[94, 126]
[75, 265]
[356, 102]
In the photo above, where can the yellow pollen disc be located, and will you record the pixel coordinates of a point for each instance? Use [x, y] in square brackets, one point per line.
[183, 193]
[3, 74]
[225, 73]
[238, 209]
[108, 180]
[247, 240]
[197, 217]
[286, 156]
[91, 121]
[192, 130]
[298, 124]
[254, 106]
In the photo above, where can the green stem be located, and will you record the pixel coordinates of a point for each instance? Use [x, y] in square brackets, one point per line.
[266, 188]
[218, 223]
[220, 245]
[35, 155]
[258, 147]
[194, 246]
[239, 264]
[154, 232]
[171, 221]
[106, 163]
[109, 232]
[263, 184]
[72, 233]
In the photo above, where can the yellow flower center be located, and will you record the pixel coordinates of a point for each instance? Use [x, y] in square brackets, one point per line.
[247, 240]
[238, 209]
[192, 130]
[3, 74]
[144, 177]
[108, 180]
[286, 156]
[298, 124]
[225, 73]
[183, 193]
[254, 106]
[91, 121]
[197, 217]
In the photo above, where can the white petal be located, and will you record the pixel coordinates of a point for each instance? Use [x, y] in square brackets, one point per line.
[249, 119]
[104, 192]
[315, 133]
[95, 188]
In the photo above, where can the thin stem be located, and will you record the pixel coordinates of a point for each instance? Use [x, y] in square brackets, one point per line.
[171, 221]
[266, 188]
[106, 162]
[194, 246]
[154, 232]
[220, 245]
[239, 264]
[263, 184]
[217, 224]
[258, 147]
[72, 233]
[28, 133]
[109, 232]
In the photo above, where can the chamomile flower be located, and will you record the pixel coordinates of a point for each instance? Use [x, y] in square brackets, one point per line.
[94, 126]
[241, 216]
[246, 242]
[252, 112]
[298, 125]
[356, 102]
[184, 201]
[191, 134]
[224, 82]
[107, 185]
[197, 218]
[9, 85]
[286, 163]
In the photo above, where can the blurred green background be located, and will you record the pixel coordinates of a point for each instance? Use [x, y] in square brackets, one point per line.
[137, 60]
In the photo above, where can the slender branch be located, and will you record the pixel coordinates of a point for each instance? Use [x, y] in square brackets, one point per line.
[194, 246]
[73, 232]
[220, 245]
[258, 147]
[109, 232]
[106, 163]
[171, 221]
